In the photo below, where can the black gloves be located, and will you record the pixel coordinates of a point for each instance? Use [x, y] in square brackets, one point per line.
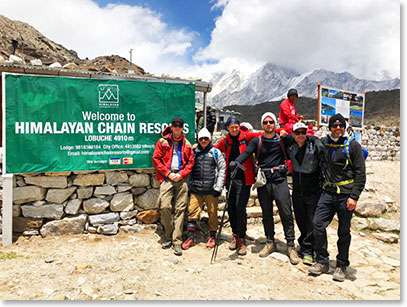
[216, 193]
[232, 165]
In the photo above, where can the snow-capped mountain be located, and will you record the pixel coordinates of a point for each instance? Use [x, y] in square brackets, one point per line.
[271, 82]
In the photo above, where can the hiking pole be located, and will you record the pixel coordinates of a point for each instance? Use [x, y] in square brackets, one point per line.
[217, 239]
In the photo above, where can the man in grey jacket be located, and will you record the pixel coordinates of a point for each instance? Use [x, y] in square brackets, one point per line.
[205, 183]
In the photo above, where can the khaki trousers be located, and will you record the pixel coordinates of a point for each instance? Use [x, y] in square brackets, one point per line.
[173, 202]
[195, 209]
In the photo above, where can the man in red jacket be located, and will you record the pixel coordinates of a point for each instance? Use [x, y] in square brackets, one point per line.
[288, 110]
[233, 145]
[173, 158]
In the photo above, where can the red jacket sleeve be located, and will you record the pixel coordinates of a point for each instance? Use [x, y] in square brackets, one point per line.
[189, 161]
[221, 145]
[158, 160]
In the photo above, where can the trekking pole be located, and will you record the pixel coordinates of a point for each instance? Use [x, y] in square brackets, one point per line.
[217, 239]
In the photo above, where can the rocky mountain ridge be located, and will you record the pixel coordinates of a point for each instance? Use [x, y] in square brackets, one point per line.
[272, 82]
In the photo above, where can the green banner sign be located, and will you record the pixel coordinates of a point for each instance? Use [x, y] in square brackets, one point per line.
[63, 124]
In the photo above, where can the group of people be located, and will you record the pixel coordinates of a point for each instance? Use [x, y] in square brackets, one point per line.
[328, 178]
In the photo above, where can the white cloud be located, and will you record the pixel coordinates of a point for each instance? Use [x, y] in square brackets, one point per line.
[362, 37]
[92, 31]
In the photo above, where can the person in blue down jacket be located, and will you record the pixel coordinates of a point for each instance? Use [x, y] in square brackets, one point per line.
[206, 183]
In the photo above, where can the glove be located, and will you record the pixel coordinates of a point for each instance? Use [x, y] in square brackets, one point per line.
[232, 165]
[216, 193]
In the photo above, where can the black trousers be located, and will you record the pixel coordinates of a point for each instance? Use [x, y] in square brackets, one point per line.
[304, 208]
[278, 192]
[238, 197]
[328, 205]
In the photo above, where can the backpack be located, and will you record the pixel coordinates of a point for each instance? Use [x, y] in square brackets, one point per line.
[346, 144]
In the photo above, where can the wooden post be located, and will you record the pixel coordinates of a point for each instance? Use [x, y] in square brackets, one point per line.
[319, 104]
[7, 229]
[204, 108]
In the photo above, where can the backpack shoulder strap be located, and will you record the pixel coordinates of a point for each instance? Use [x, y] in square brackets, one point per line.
[282, 148]
[259, 147]
[215, 155]
[226, 145]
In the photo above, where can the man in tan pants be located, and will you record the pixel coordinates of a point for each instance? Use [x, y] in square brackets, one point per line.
[173, 158]
[206, 183]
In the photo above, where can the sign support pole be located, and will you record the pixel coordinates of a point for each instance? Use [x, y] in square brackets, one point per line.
[319, 105]
[7, 227]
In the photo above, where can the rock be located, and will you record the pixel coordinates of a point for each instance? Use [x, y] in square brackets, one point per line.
[383, 224]
[390, 261]
[60, 182]
[68, 225]
[89, 180]
[148, 216]
[49, 260]
[138, 191]
[84, 193]
[280, 257]
[73, 206]
[30, 233]
[59, 195]
[387, 237]
[55, 65]
[16, 210]
[155, 183]
[359, 223]
[115, 178]
[123, 188]
[1, 59]
[50, 211]
[128, 222]
[70, 66]
[15, 59]
[109, 229]
[122, 202]
[128, 215]
[148, 200]
[172, 260]
[27, 194]
[105, 190]
[131, 228]
[36, 62]
[254, 212]
[95, 205]
[101, 219]
[388, 200]
[370, 209]
[139, 180]
[21, 224]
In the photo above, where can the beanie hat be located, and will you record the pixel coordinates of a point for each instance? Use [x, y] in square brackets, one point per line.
[204, 133]
[268, 114]
[232, 120]
[337, 118]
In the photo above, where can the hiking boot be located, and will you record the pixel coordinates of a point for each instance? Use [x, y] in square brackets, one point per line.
[319, 268]
[177, 249]
[269, 248]
[292, 254]
[233, 245]
[307, 259]
[211, 243]
[166, 244]
[242, 248]
[188, 243]
[339, 274]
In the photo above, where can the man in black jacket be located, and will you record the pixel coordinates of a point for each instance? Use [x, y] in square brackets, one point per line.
[271, 159]
[344, 172]
[305, 152]
[210, 119]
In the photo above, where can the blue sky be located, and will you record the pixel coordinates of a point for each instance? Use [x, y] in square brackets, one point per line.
[187, 38]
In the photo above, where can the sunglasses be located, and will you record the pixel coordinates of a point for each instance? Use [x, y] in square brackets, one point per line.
[204, 138]
[177, 125]
[303, 132]
[338, 126]
[267, 122]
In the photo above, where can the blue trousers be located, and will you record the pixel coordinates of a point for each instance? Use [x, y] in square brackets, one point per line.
[328, 205]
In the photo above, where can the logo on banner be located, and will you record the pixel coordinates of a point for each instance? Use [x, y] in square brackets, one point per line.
[114, 161]
[108, 96]
[127, 160]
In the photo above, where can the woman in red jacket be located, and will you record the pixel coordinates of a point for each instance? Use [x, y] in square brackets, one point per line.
[233, 145]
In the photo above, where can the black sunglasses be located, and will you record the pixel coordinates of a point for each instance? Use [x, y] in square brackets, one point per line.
[204, 138]
[266, 122]
[177, 125]
[338, 126]
[300, 132]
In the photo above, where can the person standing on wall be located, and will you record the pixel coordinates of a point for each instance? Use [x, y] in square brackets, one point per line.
[233, 145]
[205, 184]
[344, 173]
[288, 111]
[173, 159]
[271, 156]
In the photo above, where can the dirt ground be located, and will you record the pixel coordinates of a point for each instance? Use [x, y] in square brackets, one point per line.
[134, 267]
